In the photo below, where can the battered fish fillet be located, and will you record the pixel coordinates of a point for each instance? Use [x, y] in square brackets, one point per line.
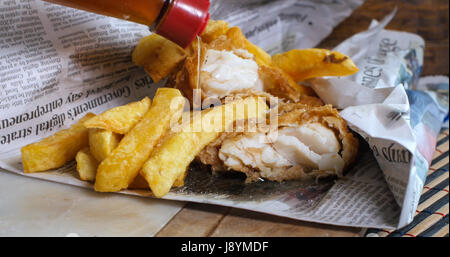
[310, 142]
[222, 69]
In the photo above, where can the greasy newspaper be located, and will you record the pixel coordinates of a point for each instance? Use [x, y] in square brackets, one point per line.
[58, 63]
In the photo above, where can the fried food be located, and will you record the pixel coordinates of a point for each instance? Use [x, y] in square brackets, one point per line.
[102, 142]
[120, 168]
[214, 29]
[87, 169]
[230, 65]
[224, 54]
[170, 160]
[86, 165]
[310, 142]
[158, 55]
[311, 63]
[54, 151]
[136, 145]
[240, 42]
[120, 119]
[224, 73]
[278, 83]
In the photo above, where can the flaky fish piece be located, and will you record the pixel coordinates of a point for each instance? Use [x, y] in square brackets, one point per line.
[309, 142]
[224, 67]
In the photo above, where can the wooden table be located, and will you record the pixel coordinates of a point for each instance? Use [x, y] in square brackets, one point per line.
[428, 18]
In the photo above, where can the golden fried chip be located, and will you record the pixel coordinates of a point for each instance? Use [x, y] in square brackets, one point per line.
[86, 165]
[169, 161]
[213, 30]
[54, 151]
[158, 55]
[240, 41]
[119, 169]
[102, 142]
[122, 118]
[310, 63]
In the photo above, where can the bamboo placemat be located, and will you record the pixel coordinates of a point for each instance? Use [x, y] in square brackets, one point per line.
[431, 218]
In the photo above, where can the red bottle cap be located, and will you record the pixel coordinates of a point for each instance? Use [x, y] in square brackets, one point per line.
[184, 21]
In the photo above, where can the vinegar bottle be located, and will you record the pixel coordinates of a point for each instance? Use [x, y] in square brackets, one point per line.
[177, 20]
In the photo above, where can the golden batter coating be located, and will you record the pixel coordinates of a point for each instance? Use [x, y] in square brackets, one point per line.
[253, 158]
[274, 81]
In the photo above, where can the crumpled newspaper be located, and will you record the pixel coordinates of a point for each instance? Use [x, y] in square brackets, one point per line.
[282, 25]
[400, 124]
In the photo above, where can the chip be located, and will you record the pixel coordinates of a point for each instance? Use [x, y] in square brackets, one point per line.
[87, 169]
[158, 55]
[311, 63]
[119, 169]
[54, 151]
[120, 119]
[102, 142]
[240, 41]
[169, 162]
[86, 165]
[213, 30]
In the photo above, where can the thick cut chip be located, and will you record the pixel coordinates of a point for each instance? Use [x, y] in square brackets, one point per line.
[119, 169]
[213, 30]
[169, 162]
[122, 118]
[86, 165]
[240, 41]
[102, 142]
[311, 63]
[54, 151]
[158, 55]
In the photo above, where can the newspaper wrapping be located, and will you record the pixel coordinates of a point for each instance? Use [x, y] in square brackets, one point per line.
[57, 63]
[400, 124]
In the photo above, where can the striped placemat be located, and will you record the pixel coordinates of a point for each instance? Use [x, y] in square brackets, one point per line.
[431, 218]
